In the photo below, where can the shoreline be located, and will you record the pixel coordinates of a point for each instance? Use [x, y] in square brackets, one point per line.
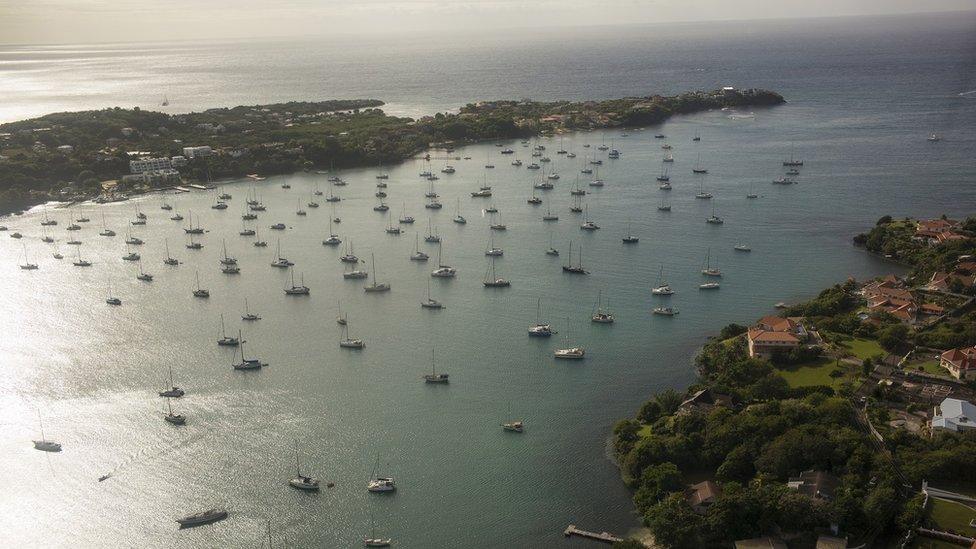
[288, 138]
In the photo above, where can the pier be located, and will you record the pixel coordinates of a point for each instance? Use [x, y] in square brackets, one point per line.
[605, 537]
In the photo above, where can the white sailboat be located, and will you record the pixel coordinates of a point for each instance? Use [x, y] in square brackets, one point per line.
[297, 289]
[491, 279]
[376, 286]
[224, 339]
[708, 270]
[433, 376]
[173, 391]
[246, 363]
[662, 288]
[44, 444]
[418, 255]
[347, 342]
[601, 315]
[300, 481]
[429, 302]
[442, 270]
[540, 329]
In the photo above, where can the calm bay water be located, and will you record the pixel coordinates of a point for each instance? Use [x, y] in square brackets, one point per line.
[862, 101]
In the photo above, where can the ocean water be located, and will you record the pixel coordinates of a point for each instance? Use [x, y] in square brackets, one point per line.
[863, 95]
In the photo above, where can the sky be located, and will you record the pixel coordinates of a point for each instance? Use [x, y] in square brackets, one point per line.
[99, 21]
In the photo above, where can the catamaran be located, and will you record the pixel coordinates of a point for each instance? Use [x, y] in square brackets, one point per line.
[601, 315]
[380, 484]
[246, 363]
[630, 238]
[540, 329]
[662, 288]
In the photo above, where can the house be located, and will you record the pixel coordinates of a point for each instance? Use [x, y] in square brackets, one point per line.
[775, 335]
[702, 495]
[704, 400]
[960, 362]
[816, 484]
[942, 281]
[765, 542]
[831, 542]
[954, 415]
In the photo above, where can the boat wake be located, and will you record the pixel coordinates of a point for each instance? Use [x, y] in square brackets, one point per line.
[971, 94]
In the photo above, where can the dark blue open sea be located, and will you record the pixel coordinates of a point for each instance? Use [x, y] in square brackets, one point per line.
[863, 96]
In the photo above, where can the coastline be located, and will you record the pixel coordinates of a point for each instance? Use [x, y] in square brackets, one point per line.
[294, 137]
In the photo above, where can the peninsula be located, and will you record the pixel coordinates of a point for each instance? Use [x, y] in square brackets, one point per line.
[845, 421]
[78, 155]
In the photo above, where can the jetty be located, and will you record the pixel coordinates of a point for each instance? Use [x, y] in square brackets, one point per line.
[605, 537]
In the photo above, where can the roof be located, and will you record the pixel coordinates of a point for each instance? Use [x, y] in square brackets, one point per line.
[963, 358]
[817, 484]
[760, 543]
[765, 336]
[830, 542]
[702, 493]
[777, 323]
[954, 415]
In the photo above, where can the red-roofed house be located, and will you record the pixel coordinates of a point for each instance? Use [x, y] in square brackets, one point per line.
[961, 362]
[702, 495]
[774, 335]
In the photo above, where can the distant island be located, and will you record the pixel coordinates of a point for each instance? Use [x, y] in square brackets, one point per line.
[820, 426]
[79, 155]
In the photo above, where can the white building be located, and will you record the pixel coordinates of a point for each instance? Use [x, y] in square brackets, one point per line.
[201, 151]
[954, 415]
[148, 164]
[178, 161]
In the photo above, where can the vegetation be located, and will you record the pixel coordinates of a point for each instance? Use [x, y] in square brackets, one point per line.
[894, 239]
[287, 137]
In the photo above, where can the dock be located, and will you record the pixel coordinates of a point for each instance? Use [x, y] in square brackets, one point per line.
[605, 537]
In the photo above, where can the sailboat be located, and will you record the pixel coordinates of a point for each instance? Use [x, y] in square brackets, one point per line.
[380, 484]
[708, 270]
[492, 280]
[105, 230]
[714, 219]
[701, 192]
[404, 218]
[248, 315]
[347, 342]
[752, 193]
[170, 417]
[578, 191]
[112, 300]
[430, 303]
[300, 481]
[662, 288]
[491, 249]
[259, 243]
[792, 161]
[372, 540]
[200, 292]
[27, 265]
[300, 289]
[540, 329]
[577, 205]
[664, 207]
[44, 444]
[418, 255]
[227, 260]
[333, 239]
[569, 267]
[698, 167]
[143, 275]
[57, 253]
[458, 218]
[279, 261]
[376, 286]
[588, 224]
[602, 316]
[433, 376]
[173, 391]
[81, 262]
[246, 363]
[431, 236]
[551, 250]
[170, 260]
[442, 270]
[630, 238]
[224, 339]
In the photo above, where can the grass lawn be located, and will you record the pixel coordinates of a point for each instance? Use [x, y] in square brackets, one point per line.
[814, 372]
[860, 347]
[929, 366]
[949, 515]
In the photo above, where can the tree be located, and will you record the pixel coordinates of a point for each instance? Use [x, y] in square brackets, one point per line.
[655, 483]
[674, 523]
[892, 336]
